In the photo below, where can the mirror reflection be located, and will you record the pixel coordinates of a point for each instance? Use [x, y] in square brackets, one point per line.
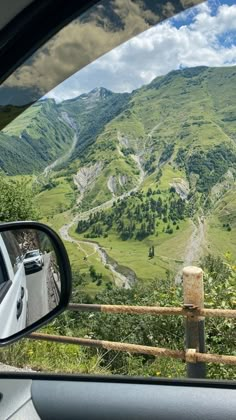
[30, 283]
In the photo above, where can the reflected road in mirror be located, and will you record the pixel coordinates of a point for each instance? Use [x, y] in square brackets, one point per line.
[30, 282]
[43, 289]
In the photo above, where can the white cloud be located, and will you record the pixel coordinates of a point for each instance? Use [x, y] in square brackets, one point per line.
[163, 48]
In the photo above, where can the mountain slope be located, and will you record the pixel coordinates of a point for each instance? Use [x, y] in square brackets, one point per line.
[45, 131]
[150, 171]
[92, 112]
[34, 139]
[184, 120]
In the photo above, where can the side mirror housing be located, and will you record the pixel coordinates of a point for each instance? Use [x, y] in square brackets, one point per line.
[35, 278]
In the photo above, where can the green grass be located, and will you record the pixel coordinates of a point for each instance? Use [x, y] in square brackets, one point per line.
[168, 175]
[56, 200]
[81, 258]
[51, 357]
[220, 240]
[57, 220]
[128, 124]
[28, 179]
[169, 251]
[225, 209]
[21, 123]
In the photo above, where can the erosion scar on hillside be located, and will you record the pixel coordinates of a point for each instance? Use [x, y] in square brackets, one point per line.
[195, 246]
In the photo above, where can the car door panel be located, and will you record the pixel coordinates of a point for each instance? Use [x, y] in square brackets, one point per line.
[15, 400]
[64, 397]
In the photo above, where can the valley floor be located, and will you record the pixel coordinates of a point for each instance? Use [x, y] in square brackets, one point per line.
[124, 262]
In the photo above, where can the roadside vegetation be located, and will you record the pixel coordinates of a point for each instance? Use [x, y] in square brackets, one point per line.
[148, 330]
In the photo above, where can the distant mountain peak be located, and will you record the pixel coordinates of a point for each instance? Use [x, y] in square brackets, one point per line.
[95, 94]
[101, 92]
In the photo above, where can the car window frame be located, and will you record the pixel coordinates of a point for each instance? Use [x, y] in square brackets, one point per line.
[6, 284]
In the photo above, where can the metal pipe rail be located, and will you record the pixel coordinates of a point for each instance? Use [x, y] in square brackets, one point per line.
[186, 310]
[193, 310]
[189, 355]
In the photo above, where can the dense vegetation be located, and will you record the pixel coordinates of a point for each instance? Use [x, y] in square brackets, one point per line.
[34, 139]
[137, 216]
[148, 330]
[210, 166]
[16, 200]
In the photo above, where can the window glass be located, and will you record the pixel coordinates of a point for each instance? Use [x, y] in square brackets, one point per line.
[13, 249]
[31, 254]
[132, 161]
[3, 272]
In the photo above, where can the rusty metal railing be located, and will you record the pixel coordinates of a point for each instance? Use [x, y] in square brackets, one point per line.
[193, 310]
[189, 310]
[189, 355]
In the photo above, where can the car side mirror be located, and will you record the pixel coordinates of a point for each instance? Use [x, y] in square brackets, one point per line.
[35, 278]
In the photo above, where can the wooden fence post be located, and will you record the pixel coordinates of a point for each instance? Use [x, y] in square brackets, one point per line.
[195, 325]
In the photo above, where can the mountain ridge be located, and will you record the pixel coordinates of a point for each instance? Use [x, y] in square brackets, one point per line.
[168, 108]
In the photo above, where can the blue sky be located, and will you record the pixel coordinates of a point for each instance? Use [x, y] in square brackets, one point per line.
[203, 35]
[188, 17]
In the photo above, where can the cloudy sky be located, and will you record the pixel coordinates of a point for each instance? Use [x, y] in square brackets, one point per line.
[204, 35]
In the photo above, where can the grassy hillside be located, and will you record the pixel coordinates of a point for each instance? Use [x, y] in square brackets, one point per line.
[184, 120]
[176, 118]
[55, 200]
[222, 225]
[91, 112]
[175, 137]
[34, 139]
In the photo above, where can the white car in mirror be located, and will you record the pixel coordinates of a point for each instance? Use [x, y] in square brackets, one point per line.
[33, 260]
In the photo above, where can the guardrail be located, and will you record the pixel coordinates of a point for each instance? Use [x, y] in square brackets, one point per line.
[188, 310]
[194, 312]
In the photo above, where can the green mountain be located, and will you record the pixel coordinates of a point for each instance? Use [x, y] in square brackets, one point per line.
[91, 112]
[150, 175]
[34, 139]
[138, 185]
[179, 127]
[46, 130]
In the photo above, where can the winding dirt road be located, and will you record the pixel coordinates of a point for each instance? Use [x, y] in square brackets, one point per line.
[196, 240]
[121, 280]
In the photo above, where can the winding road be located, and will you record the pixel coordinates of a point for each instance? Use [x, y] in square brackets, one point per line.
[193, 248]
[121, 280]
[38, 299]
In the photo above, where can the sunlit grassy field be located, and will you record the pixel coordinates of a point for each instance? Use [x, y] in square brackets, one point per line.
[169, 251]
[56, 200]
